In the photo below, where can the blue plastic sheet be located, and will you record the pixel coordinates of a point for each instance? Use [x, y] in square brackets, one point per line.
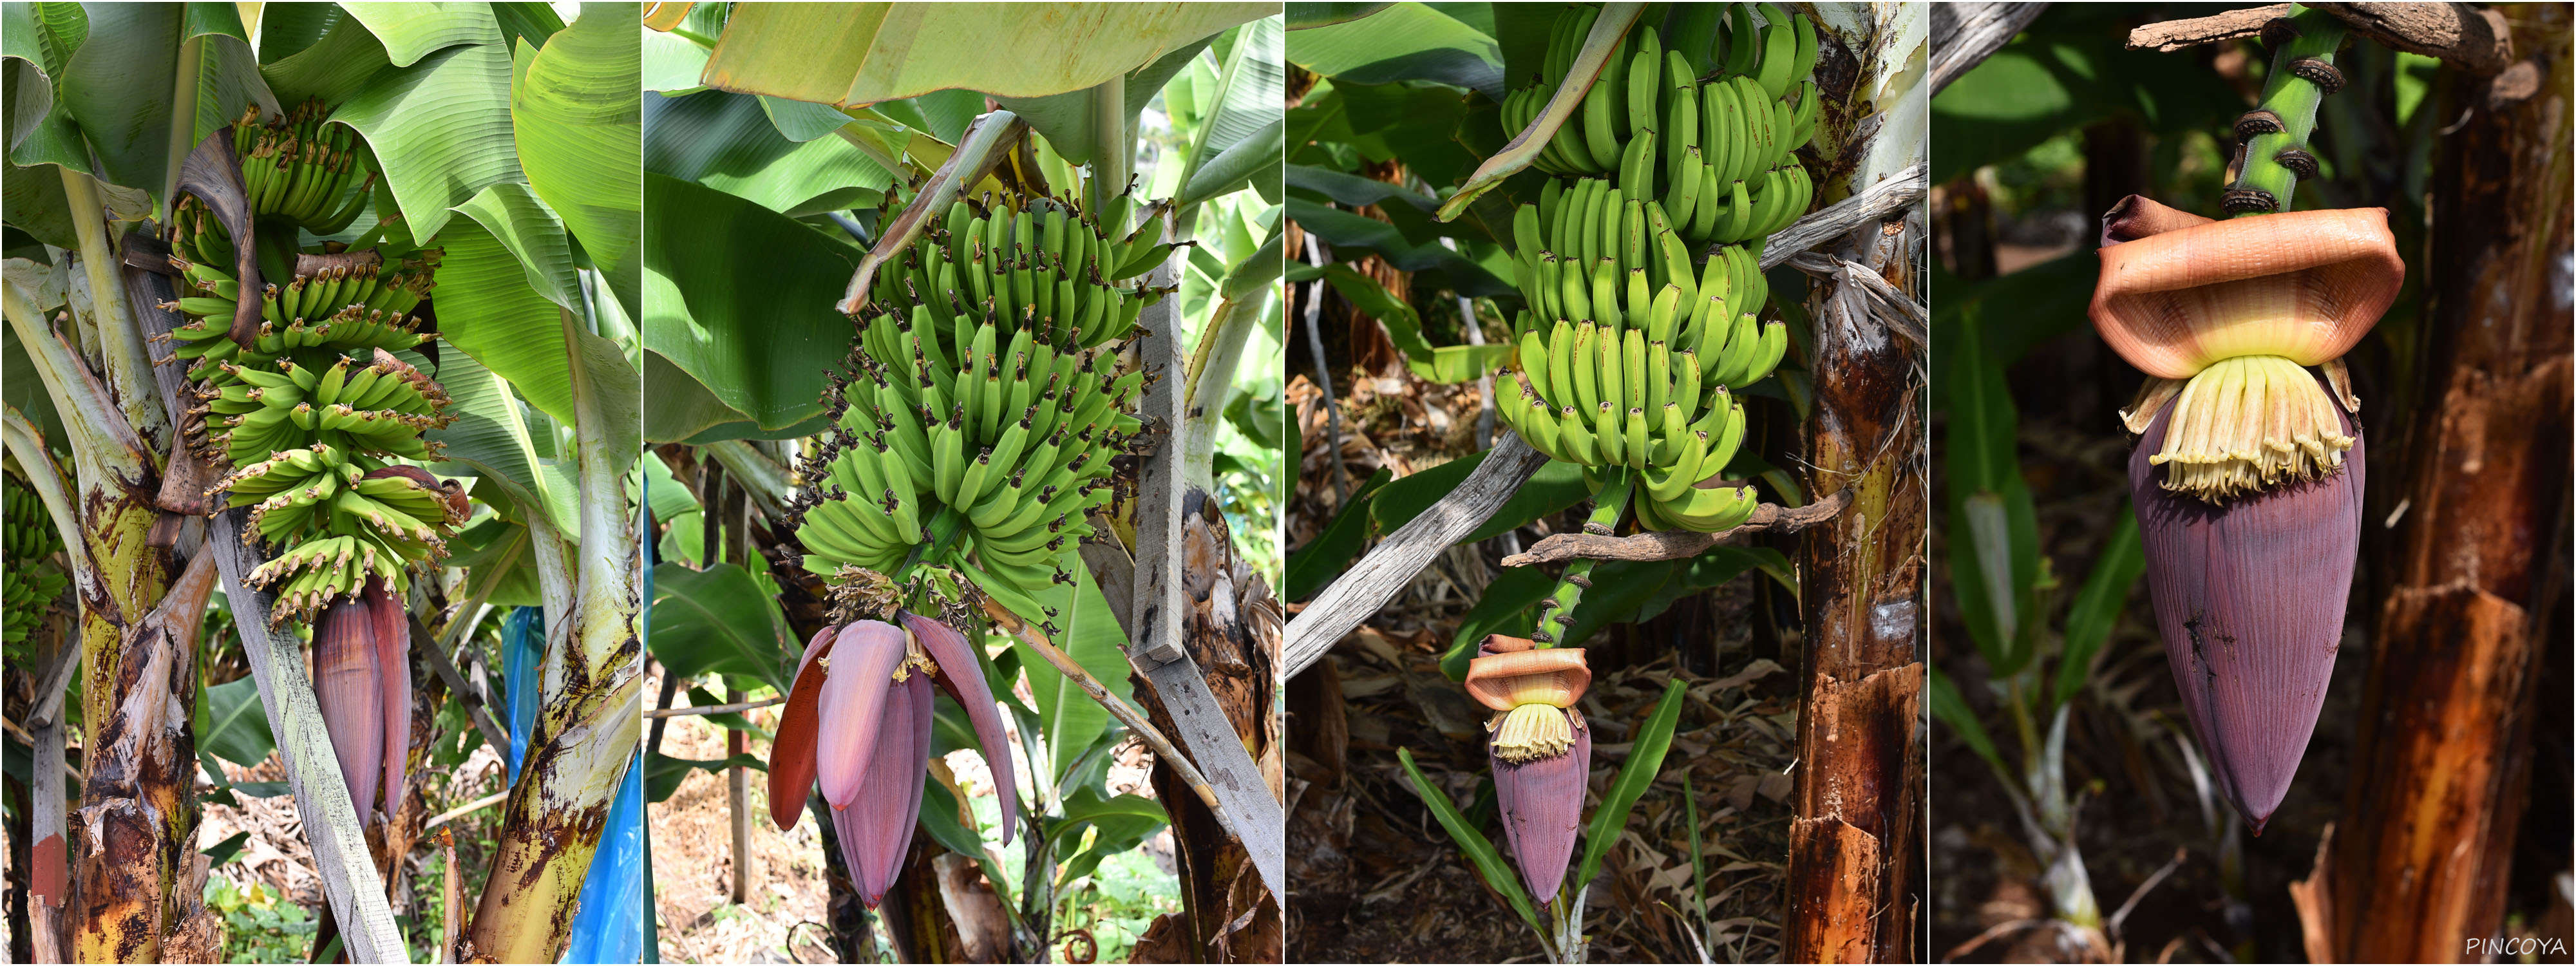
[523, 652]
[609, 928]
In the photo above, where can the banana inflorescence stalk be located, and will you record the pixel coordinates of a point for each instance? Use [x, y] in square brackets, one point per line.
[978, 427]
[2274, 135]
[310, 413]
[973, 431]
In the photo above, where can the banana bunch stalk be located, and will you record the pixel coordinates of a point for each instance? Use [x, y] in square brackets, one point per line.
[999, 451]
[1041, 263]
[1712, 137]
[2247, 477]
[857, 724]
[32, 579]
[300, 167]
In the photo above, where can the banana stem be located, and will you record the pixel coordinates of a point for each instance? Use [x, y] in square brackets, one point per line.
[2291, 93]
[1558, 607]
[119, 345]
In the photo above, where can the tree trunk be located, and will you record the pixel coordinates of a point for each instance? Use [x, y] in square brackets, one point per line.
[2418, 865]
[1233, 631]
[1855, 878]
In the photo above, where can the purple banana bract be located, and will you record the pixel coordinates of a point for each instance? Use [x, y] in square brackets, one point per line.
[2249, 596]
[1542, 808]
[362, 680]
[857, 725]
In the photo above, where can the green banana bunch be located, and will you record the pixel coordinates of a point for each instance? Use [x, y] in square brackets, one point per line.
[300, 168]
[1624, 379]
[342, 523]
[382, 406]
[309, 412]
[1038, 262]
[999, 448]
[1712, 139]
[29, 580]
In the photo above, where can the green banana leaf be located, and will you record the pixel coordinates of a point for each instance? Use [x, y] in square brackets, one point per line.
[1348, 230]
[1503, 608]
[717, 621]
[1952, 708]
[316, 50]
[672, 62]
[99, 81]
[1404, 42]
[577, 109]
[2097, 606]
[411, 31]
[1995, 562]
[1312, 567]
[1065, 120]
[1447, 364]
[1354, 191]
[1067, 716]
[1645, 759]
[1239, 125]
[742, 300]
[528, 229]
[487, 308]
[116, 84]
[1498, 874]
[728, 142]
[492, 439]
[663, 773]
[1304, 16]
[232, 724]
[440, 129]
[1123, 822]
[482, 545]
[863, 54]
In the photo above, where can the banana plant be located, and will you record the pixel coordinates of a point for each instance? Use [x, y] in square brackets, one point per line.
[242, 202]
[988, 225]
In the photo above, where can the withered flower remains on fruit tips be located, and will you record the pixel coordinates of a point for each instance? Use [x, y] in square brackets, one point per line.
[857, 723]
[1540, 747]
[2247, 478]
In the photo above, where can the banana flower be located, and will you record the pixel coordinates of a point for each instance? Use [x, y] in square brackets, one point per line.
[362, 680]
[1540, 748]
[2247, 477]
[857, 723]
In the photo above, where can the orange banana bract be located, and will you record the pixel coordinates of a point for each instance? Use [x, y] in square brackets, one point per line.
[2179, 292]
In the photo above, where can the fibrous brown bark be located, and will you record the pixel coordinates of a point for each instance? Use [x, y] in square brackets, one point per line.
[1233, 634]
[2419, 861]
[1854, 890]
